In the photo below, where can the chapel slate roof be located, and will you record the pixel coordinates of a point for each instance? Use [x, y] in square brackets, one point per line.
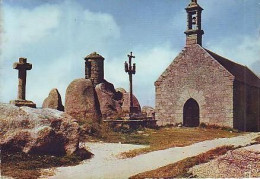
[240, 72]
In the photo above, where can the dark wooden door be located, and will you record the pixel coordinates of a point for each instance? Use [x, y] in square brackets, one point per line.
[191, 113]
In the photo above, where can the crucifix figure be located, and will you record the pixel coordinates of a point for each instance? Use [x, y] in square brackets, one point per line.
[131, 71]
[22, 66]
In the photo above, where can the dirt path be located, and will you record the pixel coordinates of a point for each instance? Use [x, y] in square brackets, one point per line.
[105, 164]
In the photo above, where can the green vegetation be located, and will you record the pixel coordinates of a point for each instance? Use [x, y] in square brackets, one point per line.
[122, 134]
[180, 169]
[20, 165]
[164, 138]
[159, 138]
[212, 126]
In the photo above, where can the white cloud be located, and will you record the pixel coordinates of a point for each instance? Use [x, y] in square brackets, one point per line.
[56, 47]
[150, 63]
[22, 26]
[241, 49]
[54, 38]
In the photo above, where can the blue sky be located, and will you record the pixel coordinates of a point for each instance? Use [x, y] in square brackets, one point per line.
[55, 35]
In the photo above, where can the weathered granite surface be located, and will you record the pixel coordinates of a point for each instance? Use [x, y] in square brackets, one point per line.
[81, 101]
[41, 131]
[109, 99]
[53, 101]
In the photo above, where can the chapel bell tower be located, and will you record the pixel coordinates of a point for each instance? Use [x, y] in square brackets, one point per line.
[193, 32]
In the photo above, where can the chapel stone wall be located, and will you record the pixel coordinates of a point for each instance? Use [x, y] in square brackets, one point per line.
[246, 107]
[195, 74]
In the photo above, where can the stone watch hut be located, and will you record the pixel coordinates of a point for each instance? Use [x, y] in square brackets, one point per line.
[200, 86]
[94, 68]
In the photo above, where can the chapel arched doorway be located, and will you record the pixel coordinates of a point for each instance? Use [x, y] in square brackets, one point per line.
[191, 113]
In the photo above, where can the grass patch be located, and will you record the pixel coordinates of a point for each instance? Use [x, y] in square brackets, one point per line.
[21, 165]
[159, 138]
[214, 126]
[106, 134]
[164, 138]
[180, 169]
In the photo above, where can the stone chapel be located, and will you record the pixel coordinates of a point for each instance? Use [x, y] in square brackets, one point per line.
[200, 86]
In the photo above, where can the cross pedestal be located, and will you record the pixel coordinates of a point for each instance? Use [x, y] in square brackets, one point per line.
[133, 109]
[22, 66]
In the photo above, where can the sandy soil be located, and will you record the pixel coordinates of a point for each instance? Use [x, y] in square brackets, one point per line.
[105, 164]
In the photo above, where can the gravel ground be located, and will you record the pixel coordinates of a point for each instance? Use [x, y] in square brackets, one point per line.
[240, 163]
[106, 165]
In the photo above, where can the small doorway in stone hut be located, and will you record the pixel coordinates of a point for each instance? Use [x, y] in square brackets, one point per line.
[191, 113]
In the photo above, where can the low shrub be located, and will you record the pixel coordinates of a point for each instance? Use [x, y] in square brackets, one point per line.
[214, 126]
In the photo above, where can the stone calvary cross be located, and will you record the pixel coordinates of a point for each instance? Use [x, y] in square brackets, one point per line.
[22, 66]
[131, 71]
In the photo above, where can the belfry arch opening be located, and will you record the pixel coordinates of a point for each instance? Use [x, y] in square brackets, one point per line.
[191, 113]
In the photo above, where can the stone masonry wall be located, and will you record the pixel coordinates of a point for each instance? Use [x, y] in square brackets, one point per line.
[246, 107]
[193, 39]
[239, 105]
[253, 109]
[195, 74]
[97, 71]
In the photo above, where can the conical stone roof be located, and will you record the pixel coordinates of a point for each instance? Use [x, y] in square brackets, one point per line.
[94, 55]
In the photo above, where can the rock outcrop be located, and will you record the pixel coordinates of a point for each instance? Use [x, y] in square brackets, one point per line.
[149, 111]
[88, 104]
[53, 101]
[239, 163]
[114, 102]
[109, 99]
[40, 131]
[126, 103]
[81, 101]
[121, 90]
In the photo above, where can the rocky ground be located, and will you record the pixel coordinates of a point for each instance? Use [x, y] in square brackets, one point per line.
[39, 131]
[106, 164]
[240, 163]
[49, 131]
[31, 139]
